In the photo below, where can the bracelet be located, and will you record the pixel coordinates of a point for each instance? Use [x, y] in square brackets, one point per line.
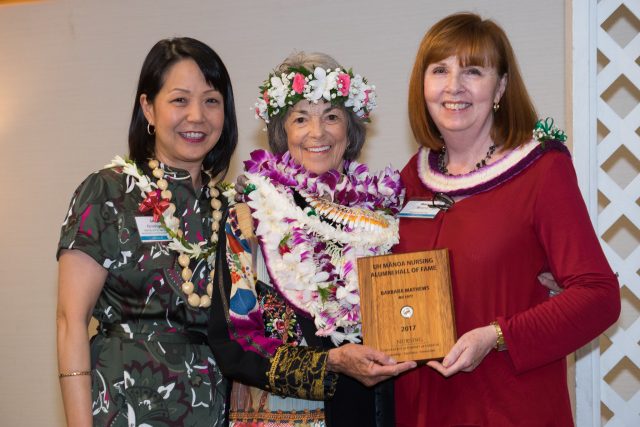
[500, 344]
[73, 374]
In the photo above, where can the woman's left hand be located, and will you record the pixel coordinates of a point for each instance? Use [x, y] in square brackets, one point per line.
[468, 352]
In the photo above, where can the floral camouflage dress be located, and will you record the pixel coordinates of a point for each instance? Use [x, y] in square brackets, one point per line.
[150, 361]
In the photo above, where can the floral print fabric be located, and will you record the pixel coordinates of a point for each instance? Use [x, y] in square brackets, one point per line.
[150, 361]
[263, 322]
[280, 320]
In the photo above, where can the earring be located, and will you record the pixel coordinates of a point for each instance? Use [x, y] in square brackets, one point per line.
[496, 107]
[151, 129]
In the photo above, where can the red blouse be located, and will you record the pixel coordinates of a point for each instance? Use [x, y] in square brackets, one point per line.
[499, 241]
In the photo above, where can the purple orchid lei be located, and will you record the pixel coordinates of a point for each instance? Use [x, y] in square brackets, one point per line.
[357, 187]
[311, 262]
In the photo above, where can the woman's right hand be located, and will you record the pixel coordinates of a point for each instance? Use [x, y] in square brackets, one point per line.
[365, 364]
[468, 352]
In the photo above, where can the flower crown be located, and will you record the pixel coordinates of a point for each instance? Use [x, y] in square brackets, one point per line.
[283, 90]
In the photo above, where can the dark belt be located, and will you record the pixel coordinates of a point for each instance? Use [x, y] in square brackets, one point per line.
[147, 333]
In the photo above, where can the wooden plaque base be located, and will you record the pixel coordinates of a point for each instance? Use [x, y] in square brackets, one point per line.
[406, 305]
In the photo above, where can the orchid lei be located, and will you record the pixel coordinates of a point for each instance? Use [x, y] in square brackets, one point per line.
[283, 90]
[312, 259]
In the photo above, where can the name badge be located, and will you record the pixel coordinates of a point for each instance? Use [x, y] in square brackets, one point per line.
[419, 209]
[151, 231]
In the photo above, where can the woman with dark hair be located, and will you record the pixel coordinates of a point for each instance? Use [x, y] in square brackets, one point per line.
[285, 314]
[510, 209]
[136, 252]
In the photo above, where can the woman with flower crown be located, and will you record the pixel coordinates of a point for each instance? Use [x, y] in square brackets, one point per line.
[137, 252]
[285, 315]
[507, 207]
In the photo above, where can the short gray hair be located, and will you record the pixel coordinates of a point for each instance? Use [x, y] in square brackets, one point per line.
[356, 130]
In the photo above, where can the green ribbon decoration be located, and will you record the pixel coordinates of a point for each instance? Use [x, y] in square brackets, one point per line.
[544, 130]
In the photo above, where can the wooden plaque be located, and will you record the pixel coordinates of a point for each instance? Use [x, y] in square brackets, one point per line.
[406, 304]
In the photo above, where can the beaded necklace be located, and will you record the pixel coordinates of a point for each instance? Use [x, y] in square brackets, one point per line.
[157, 199]
[442, 166]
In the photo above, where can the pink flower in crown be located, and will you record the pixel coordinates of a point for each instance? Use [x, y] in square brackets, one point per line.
[344, 80]
[298, 83]
[265, 96]
[366, 96]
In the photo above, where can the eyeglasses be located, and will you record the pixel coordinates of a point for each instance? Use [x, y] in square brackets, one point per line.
[441, 201]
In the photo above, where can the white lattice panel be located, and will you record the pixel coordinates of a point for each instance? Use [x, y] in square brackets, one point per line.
[618, 181]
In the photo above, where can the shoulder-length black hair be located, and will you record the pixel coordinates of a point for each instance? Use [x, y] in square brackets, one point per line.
[159, 60]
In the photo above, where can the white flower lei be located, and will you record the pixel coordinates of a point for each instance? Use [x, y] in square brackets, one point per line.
[317, 271]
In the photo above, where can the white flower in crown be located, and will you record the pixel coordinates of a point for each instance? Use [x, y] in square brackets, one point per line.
[279, 90]
[261, 110]
[323, 84]
[361, 96]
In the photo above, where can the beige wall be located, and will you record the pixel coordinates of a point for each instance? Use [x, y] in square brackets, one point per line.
[68, 71]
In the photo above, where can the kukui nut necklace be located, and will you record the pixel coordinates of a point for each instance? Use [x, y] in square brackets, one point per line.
[442, 166]
[184, 259]
[158, 200]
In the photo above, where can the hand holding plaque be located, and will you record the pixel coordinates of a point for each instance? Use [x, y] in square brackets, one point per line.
[406, 304]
